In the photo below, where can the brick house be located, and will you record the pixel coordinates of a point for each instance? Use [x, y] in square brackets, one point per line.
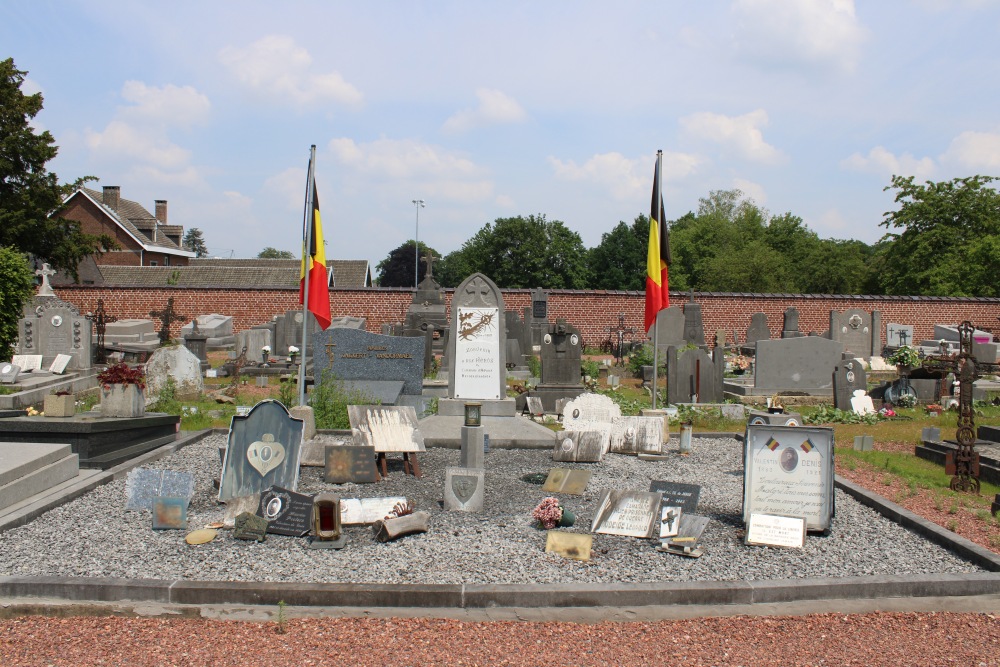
[145, 239]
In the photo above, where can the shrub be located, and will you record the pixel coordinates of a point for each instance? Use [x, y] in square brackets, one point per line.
[329, 400]
[16, 289]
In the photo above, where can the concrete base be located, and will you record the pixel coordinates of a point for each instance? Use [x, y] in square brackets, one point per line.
[549, 394]
[455, 407]
[936, 452]
[504, 432]
[27, 469]
[32, 388]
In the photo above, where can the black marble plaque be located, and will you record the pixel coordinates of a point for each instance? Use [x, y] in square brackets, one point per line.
[286, 512]
[676, 494]
[350, 463]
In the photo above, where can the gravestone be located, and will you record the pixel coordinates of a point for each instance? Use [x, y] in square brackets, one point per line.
[263, 451]
[848, 376]
[862, 403]
[628, 513]
[27, 362]
[363, 511]
[670, 327]
[169, 513]
[561, 353]
[539, 315]
[427, 314]
[46, 272]
[386, 428]
[60, 363]
[350, 464]
[587, 410]
[695, 376]
[288, 331]
[9, 372]
[217, 327]
[142, 485]
[694, 329]
[197, 343]
[55, 327]
[167, 316]
[802, 364]
[476, 344]
[131, 334]
[758, 330]
[790, 323]
[253, 341]
[286, 512]
[636, 435]
[789, 471]
[464, 489]
[514, 328]
[249, 526]
[898, 335]
[362, 360]
[568, 481]
[180, 364]
[677, 494]
[581, 446]
[854, 328]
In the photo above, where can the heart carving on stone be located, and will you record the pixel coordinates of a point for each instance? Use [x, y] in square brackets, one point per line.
[265, 455]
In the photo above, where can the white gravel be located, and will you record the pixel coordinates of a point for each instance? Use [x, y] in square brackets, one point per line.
[94, 536]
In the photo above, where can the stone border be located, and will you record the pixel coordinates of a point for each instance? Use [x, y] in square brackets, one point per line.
[105, 593]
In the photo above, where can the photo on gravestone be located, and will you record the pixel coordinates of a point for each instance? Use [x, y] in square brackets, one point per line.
[287, 512]
[571, 482]
[581, 446]
[264, 450]
[387, 428]
[788, 471]
[142, 485]
[350, 464]
[628, 513]
[169, 513]
[677, 494]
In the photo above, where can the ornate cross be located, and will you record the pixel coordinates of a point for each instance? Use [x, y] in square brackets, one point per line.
[167, 316]
[45, 272]
[430, 264]
[620, 331]
[101, 321]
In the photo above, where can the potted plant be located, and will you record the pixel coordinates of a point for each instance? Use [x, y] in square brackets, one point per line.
[122, 391]
[550, 514]
[60, 404]
[292, 352]
[904, 358]
[740, 364]
[264, 353]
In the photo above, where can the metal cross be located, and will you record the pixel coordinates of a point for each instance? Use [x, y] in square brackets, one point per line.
[617, 349]
[167, 316]
[101, 321]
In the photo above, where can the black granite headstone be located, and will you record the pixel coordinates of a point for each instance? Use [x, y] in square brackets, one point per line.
[286, 512]
[676, 494]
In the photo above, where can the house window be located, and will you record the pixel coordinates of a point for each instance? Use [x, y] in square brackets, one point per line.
[154, 263]
[166, 260]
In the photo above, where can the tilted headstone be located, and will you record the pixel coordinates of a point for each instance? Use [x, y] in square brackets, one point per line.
[637, 435]
[629, 513]
[790, 323]
[587, 410]
[55, 327]
[362, 511]
[386, 428]
[287, 512]
[581, 446]
[9, 372]
[464, 489]
[477, 344]
[214, 325]
[898, 335]
[797, 364]
[27, 362]
[567, 481]
[758, 329]
[349, 463]
[263, 451]
[848, 377]
[677, 494]
[59, 364]
[180, 364]
[695, 376]
[853, 328]
[359, 357]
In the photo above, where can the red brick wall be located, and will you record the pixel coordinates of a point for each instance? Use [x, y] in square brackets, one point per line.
[591, 311]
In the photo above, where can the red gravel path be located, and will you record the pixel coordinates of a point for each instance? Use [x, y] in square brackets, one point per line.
[825, 639]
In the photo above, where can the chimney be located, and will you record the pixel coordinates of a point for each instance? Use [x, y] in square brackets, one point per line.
[112, 193]
[161, 211]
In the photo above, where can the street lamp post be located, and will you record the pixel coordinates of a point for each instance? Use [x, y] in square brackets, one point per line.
[418, 204]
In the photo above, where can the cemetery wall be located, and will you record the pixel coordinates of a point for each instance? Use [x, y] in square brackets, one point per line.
[590, 311]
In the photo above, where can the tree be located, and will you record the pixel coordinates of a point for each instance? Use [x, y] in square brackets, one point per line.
[396, 270]
[521, 253]
[195, 242]
[17, 282]
[618, 262]
[30, 196]
[274, 253]
[947, 228]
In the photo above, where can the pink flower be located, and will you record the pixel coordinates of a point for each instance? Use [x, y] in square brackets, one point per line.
[548, 513]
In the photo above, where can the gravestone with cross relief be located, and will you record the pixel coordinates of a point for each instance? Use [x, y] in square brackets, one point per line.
[477, 345]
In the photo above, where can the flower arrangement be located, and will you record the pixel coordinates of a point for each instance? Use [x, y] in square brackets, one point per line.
[740, 361]
[887, 413]
[122, 373]
[292, 350]
[906, 355]
[549, 513]
[266, 349]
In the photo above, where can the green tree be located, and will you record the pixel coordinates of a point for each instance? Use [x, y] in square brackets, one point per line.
[274, 253]
[195, 242]
[396, 270]
[521, 252]
[618, 262]
[17, 282]
[944, 229]
[31, 197]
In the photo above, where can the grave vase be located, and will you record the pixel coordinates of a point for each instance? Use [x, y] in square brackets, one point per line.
[122, 400]
[567, 518]
[60, 406]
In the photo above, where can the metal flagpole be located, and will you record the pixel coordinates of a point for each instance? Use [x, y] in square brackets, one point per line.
[656, 347]
[307, 225]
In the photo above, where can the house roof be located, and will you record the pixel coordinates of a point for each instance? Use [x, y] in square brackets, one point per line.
[234, 273]
[139, 223]
[345, 273]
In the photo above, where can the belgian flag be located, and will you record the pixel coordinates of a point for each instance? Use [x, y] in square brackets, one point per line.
[657, 256]
[314, 270]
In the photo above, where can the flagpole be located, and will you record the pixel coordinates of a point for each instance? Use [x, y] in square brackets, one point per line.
[656, 347]
[307, 225]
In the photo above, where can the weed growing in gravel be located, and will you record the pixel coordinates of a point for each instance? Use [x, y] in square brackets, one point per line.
[952, 525]
[282, 621]
[954, 507]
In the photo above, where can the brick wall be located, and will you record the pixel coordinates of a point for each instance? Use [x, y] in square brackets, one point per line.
[591, 311]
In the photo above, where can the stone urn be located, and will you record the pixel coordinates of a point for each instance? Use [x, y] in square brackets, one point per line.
[122, 400]
[60, 405]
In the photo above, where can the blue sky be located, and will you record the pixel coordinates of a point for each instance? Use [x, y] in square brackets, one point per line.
[494, 109]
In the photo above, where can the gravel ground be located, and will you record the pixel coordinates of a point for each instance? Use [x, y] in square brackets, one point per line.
[94, 536]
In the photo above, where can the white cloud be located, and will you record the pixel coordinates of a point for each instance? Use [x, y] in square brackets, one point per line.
[275, 67]
[120, 139]
[170, 105]
[740, 134]
[625, 178]
[495, 108]
[823, 33]
[432, 170]
[752, 190]
[29, 87]
[290, 187]
[885, 164]
[974, 150]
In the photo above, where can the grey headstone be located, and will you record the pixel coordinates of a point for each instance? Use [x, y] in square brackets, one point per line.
[670, 327]
[562, 350]
[790, 323]
[898, 335]
[263, 451]
[476, 345]
[142, 485]
[9, 372]
[694, 329]
[581, 446]
[848, 377]
[179, 363]
[930, 434]
[56, 327]
[254, 341]
[130, 331]
[694, 376]
[352, 354]
[464, 489]
[797, 364]
[211, 326]
[590, 408]
[758, 329]
[853, 328]
[637, 435]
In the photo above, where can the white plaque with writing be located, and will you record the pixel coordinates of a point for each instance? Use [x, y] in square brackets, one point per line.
[789, 472]
[27, 362]
[776, 531]
[361, 511]
[629, 513]
[477, 354]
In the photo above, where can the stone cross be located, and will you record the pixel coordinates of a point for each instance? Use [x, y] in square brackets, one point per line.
[167, 316]
[46, 288]
[430, 264]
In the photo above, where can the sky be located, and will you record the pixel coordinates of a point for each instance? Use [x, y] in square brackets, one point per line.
[488, 109]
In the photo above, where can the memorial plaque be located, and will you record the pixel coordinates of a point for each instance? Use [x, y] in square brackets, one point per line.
[27, 362]
[637, 435]
[776, 531]
[575, 546]
[169, 513]
[287, 512]
[477, 354]
[59, 364]
[142, 485]
[568, 481]
[363, 511]
[629, 513]
[684, 496]
[355, 356]
[464, 489]
[201, 536]
[264, 450]
[581, 446]
[350, 463]
[387, 428]
[788, 471]
[250, 527]
[9, 373]
[670, 521]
